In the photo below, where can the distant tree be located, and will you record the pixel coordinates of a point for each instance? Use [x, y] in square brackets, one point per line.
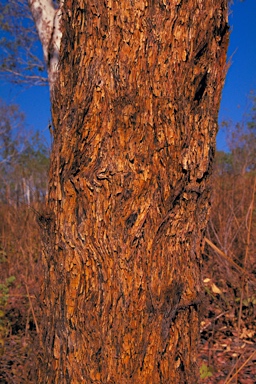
[223, 162]
[24, 159]
[10, 125]
[234, 188]
[21, 58]
[241, 141]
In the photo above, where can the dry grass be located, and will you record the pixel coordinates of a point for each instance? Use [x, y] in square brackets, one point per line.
[228, 332]
[20, 275]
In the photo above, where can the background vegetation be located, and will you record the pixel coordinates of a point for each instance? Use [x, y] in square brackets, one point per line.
[228, 329]
[23, 182]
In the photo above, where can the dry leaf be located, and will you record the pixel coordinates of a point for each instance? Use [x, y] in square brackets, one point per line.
[215, 289]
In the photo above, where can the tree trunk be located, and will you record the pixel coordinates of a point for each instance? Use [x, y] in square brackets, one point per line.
[135, 114]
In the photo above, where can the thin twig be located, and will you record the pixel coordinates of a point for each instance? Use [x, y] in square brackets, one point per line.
[248, 225]
[213, 320]
[32, 310]
[229, 379]
[215, 248]
[17, 295]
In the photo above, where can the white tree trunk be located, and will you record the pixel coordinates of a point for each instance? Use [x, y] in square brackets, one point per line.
[48, 23]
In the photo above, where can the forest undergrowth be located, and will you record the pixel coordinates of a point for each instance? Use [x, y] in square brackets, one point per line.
[228, 329]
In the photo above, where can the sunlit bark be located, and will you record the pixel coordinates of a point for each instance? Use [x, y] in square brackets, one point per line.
[135, 110]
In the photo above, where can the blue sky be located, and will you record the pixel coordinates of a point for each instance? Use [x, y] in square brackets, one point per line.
[240, 81]
[241, 77]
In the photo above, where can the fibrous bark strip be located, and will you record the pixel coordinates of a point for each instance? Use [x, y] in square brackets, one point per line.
[135, 115]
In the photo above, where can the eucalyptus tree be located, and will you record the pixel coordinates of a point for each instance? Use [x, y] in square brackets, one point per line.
[135, 90]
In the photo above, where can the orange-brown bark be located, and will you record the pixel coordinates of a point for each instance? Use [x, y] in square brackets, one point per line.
[135, 116]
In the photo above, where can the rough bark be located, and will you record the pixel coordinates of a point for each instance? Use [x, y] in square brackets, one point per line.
[135, 114]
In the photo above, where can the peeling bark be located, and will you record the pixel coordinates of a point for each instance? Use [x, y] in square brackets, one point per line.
[135, 111]
[48, 24]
